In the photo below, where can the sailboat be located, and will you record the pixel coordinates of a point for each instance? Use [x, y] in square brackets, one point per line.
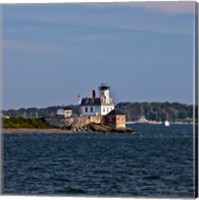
[166, 123]
[142, 119]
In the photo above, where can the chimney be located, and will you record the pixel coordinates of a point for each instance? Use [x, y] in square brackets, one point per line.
[94, 94]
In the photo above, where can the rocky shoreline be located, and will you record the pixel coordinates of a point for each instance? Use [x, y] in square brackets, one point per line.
[90, 128]
[32, 130]
[100, 128]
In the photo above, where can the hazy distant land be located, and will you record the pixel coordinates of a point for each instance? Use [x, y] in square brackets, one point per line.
[159, 111]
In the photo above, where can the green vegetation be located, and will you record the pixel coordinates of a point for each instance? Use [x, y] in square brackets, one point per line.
[38, 112]
[19, 122]
[159, 111]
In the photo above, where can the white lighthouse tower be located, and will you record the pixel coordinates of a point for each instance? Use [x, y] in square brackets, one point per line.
[101, 105]
[104, 93]
[107, 102]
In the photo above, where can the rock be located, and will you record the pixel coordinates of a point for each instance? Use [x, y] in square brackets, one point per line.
[76, 127]
[122, 130]
[101, 128]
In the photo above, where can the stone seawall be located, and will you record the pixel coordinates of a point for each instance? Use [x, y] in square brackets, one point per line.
[85, 124]
[91, 128]
[100, 128]
[60, 122]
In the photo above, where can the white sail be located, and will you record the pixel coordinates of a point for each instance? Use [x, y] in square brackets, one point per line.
[166, 123]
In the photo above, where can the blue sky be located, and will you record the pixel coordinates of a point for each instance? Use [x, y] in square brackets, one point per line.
[52, 53]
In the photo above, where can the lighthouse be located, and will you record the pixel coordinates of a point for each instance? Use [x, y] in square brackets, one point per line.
[104, 89]
[98, 105]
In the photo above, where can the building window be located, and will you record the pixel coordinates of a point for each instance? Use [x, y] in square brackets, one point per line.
[91, 109]
[86, 109]
[107, 109]
[92, 101]
[103, 109]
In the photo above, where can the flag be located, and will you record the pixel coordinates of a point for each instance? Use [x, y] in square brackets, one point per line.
[78, 97]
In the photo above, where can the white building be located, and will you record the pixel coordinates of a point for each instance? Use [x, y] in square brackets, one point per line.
[68, 113]
[5, 116]
[64, 113]
[98, 105]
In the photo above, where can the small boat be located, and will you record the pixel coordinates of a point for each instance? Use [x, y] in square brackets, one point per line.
[166, 123]
[142, 120]
[130, 122]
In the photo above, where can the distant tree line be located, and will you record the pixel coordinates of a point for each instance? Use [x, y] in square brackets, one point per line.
[38, 112]
[158, 111]
[19, 122]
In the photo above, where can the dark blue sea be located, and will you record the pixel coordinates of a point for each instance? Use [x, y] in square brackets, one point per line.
[157, 161]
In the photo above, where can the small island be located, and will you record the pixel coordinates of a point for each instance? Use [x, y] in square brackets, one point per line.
[40, 125]
[94, 114]
[97, 115]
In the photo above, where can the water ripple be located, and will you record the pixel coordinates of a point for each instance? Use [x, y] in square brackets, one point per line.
[157, 162]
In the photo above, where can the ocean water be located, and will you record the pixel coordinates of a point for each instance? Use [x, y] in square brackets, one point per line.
[157, 161]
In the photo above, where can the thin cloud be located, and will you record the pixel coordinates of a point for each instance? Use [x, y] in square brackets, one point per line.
[173, 8]
[159, 29]
[82, 27]
[14, 45]
[94, 37]
[168, 7]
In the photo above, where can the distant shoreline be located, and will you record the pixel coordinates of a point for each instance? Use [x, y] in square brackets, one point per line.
[93, 129]
[33, 130]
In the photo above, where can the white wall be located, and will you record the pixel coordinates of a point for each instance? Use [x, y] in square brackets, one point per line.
[106, 109]
[96, 109]
[104, 93]
[68, 113]
[101, 110]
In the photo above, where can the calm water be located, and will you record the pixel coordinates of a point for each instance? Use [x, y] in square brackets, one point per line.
[155, 162]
